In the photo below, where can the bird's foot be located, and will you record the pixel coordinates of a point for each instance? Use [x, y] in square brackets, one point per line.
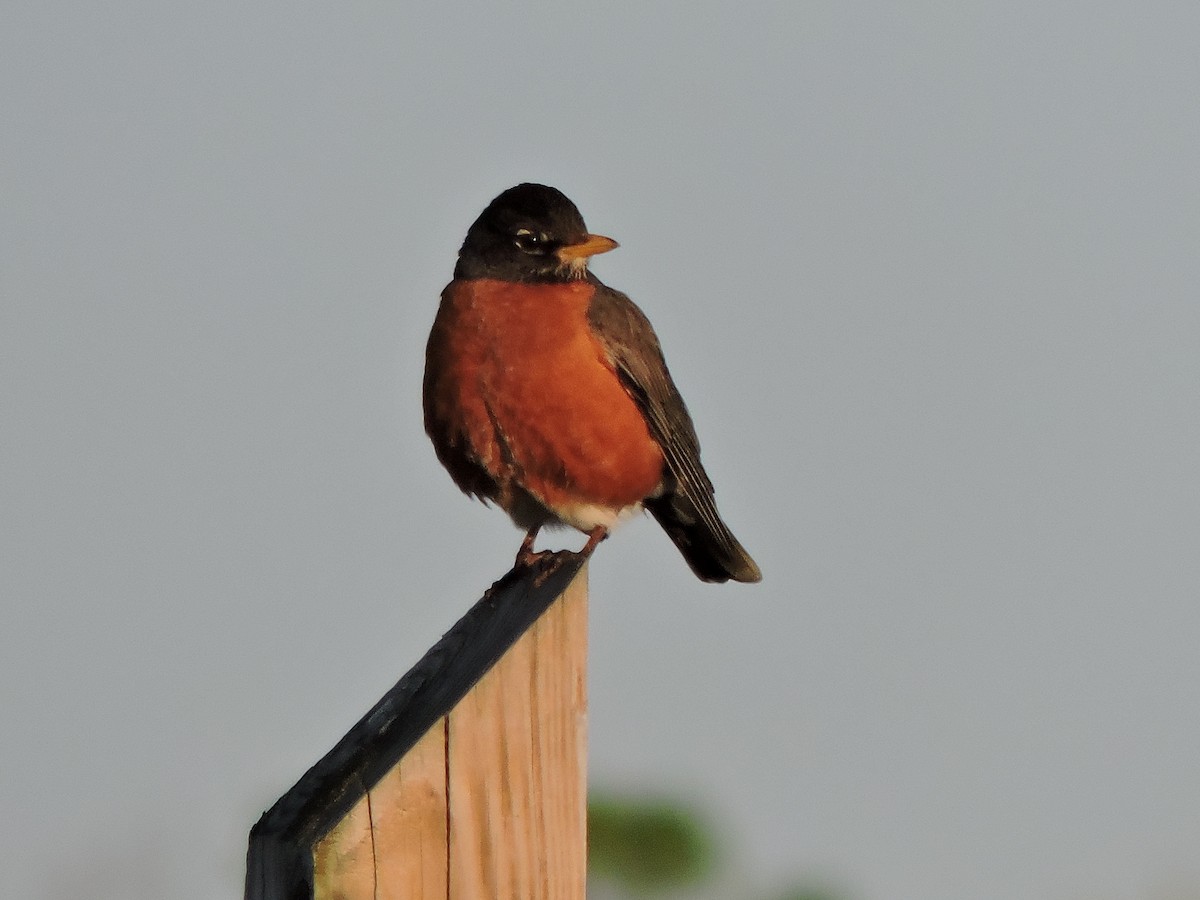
[527, 557]
[595, 536]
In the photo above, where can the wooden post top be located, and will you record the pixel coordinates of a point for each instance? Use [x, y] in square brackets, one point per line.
[280, 856]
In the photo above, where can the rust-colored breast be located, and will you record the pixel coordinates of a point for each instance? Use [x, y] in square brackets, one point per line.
[519, 392]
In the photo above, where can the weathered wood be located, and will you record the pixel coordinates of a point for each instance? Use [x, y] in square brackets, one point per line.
[392, 845]
[518, 767]
[393, 810]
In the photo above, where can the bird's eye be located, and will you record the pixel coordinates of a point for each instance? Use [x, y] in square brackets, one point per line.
[530, 241]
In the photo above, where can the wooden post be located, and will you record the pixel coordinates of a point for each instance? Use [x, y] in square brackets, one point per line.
[467, 780]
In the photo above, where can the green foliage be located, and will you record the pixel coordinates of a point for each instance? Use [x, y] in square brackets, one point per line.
[809, 894]
[647, 847]
[644, 848]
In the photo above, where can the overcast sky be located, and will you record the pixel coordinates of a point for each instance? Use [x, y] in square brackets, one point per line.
[927, 274]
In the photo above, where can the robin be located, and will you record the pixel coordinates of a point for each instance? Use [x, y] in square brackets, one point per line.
[546, 391]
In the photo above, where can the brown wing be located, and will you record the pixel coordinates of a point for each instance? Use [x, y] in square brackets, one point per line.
[686, 509]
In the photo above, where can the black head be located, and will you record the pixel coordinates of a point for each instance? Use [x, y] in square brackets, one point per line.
[529, 233]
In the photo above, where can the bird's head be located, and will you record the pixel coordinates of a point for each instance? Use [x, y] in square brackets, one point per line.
[531, 232]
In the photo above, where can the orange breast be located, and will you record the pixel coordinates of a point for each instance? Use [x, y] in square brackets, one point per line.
[515, 378]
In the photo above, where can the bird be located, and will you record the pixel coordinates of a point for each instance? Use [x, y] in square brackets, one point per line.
[546, 391]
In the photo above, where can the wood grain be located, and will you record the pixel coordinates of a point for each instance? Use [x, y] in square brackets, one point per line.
[490, 803]
[393, 844]
[518, 767]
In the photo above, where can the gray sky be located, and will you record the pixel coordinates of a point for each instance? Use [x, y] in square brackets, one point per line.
[927, 276]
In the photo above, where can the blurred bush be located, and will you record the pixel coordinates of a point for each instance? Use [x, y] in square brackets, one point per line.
[646, 848]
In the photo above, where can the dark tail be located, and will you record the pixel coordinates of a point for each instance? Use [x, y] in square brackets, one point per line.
[704, 540]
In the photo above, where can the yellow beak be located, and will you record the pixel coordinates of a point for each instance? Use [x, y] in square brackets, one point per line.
[593, 244]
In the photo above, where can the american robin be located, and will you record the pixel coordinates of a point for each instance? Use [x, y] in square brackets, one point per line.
[546, 391]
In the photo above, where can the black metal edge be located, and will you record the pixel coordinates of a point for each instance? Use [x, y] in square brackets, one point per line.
[279, 858]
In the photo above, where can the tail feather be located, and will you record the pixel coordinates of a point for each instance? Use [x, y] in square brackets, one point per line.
[709, 547]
